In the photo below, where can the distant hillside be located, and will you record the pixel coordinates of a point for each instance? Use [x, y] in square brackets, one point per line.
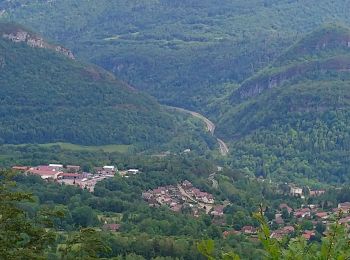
[178, 51]
[322, 51]
[46, 96]
[292, 119]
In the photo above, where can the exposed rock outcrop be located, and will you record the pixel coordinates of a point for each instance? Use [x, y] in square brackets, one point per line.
[257, 85]
[36, 42]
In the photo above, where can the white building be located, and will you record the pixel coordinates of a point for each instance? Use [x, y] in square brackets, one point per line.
[295, 191]
[133, 171]
[109, 168]
[56, 166]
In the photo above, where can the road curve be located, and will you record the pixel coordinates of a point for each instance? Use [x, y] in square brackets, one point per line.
[210, 127]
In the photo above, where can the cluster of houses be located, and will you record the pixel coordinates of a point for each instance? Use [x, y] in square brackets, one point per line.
[73, 174]
[184, 196]
[298, 192]
[310, 212]
[52, 171]
[196, 193]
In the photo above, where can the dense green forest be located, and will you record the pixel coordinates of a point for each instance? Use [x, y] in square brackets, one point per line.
[179, 51]
[47, 97]
[291, 120]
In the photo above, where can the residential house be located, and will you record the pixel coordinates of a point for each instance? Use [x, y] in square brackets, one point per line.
[285, 206]
[111, 227]
[316, 193]
[109, 170]
[345, 220]
[133, 171]
[295, 191]
[321, 215]
[302, 213]
[44, 174]
[20, 168]
[308, 234]
[57, 167]
[218, 211]
[345, 207]
[282, 232]
[249, 230]
[186, 184]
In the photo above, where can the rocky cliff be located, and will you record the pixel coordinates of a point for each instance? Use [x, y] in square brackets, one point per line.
[34, 41]
[325, 51]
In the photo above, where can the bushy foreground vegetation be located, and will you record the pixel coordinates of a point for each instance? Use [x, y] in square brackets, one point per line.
[58, 222]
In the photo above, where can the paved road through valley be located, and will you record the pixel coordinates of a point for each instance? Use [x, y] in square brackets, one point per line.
[210, 127]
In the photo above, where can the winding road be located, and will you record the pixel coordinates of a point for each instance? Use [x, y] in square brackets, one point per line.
[210, 127]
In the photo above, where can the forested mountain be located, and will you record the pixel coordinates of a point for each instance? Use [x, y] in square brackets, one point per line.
[179, 51]
[292, 119]
[48, 96]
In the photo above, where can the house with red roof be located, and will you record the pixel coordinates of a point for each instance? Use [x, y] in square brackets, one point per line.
[282, 232]
[285, 206]
[249, 230]
[308, 234]
[111, 227]
[218, 211]
[345, 207]
[321, 215]
[20, 168]
[44, 174]
[303, 213]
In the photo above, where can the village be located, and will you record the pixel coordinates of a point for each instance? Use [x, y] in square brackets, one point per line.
[73, 174]
[309, 220]
[184, 197]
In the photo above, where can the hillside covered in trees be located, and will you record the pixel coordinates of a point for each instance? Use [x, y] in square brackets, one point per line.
[47, 96]
[179, 51]
[291, 120]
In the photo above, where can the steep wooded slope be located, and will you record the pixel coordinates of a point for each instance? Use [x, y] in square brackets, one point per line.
[47, 96]
[292, 119]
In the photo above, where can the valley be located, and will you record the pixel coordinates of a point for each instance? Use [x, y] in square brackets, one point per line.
[171, 129]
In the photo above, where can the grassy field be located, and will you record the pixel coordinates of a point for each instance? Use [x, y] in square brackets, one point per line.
[106, 148]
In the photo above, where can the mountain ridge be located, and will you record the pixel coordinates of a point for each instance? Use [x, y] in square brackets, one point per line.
[294, 118]
[17, 33]
[301, 60]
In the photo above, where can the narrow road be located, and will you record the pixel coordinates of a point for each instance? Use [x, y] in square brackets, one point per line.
[210, 127]
[223, 147]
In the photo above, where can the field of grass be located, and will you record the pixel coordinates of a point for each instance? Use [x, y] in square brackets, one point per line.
[106, 148]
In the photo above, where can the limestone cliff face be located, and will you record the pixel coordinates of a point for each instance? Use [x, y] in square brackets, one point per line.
[35, 42]
[259, 84]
